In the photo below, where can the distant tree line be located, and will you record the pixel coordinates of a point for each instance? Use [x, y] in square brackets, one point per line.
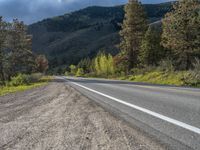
[173, 42]
[16, 54]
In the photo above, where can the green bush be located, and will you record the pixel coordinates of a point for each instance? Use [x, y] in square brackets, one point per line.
[67, 73]
[20, 79]
[79, 72]
[139, 71]
[192, 78]
[23, 79]
[73, 69]
[158, 77]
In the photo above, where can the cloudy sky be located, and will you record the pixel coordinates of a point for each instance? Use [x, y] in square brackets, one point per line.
[33, 10]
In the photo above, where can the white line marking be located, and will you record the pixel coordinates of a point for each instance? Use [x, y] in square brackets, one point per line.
[157, 115]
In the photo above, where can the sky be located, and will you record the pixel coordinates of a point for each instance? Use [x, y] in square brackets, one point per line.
[31, 11]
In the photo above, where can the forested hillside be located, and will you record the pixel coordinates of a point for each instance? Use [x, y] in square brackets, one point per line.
[69, 38]
[163, 52]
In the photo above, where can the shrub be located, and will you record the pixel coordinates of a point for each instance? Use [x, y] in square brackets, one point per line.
[67, 73]
[79, 72]
[139, 71]
[73, 69]
[23, 79]
[158, 77]
[20, 79]
[193, 76]
[166, 65]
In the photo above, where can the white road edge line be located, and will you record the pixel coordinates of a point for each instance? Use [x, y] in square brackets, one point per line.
[154, 114]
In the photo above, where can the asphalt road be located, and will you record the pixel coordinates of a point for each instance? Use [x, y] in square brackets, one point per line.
[169, 114]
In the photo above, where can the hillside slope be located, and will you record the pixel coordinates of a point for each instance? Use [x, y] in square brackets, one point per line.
[69, 38]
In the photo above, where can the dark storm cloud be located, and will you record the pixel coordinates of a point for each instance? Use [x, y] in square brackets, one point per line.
[33, 10]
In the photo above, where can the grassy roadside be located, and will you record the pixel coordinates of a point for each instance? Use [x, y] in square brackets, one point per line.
[158, 77]
[176, 78]
[12, 89]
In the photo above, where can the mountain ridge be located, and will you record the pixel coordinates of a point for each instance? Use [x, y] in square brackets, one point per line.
[68, 38]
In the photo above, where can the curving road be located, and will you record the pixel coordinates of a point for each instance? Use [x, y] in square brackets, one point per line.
[170, 114]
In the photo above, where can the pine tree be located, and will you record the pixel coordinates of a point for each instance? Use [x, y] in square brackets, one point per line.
[132, 33]
[151, 50]
[3, 26]
[20, 45]
[181, 32]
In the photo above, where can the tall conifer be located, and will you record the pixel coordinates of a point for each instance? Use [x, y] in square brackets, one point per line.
[181, 32]
[133, 30]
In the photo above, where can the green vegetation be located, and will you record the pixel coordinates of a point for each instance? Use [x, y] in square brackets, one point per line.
[165, 52]
[24, 82]
[193, 76]
[159, 77]
[133, 29]
[17, 61]
[16, 54]
[12, 89]
[167, 55]
[165, 74]
[152, 52]
[181, 33]
[79, 72]
[104, 65]
[72, 37]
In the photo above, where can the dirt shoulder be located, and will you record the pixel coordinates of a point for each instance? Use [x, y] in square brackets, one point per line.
[58, 117]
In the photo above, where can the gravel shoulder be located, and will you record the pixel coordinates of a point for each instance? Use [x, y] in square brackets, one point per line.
[58, 117]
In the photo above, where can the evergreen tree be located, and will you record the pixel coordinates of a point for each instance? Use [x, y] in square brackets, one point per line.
[3, 26]
[181, 32]
[20, 46]
[132, 33]
[151, 50]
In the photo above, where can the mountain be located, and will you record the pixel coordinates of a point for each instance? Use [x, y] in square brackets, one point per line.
[69, 38]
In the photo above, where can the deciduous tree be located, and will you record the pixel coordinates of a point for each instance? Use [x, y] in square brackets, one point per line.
[42, 63]
[104, 64]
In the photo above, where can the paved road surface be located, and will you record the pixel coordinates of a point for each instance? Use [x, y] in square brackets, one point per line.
[171, 114]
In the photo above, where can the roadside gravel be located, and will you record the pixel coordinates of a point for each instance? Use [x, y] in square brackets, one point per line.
[58, 117]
